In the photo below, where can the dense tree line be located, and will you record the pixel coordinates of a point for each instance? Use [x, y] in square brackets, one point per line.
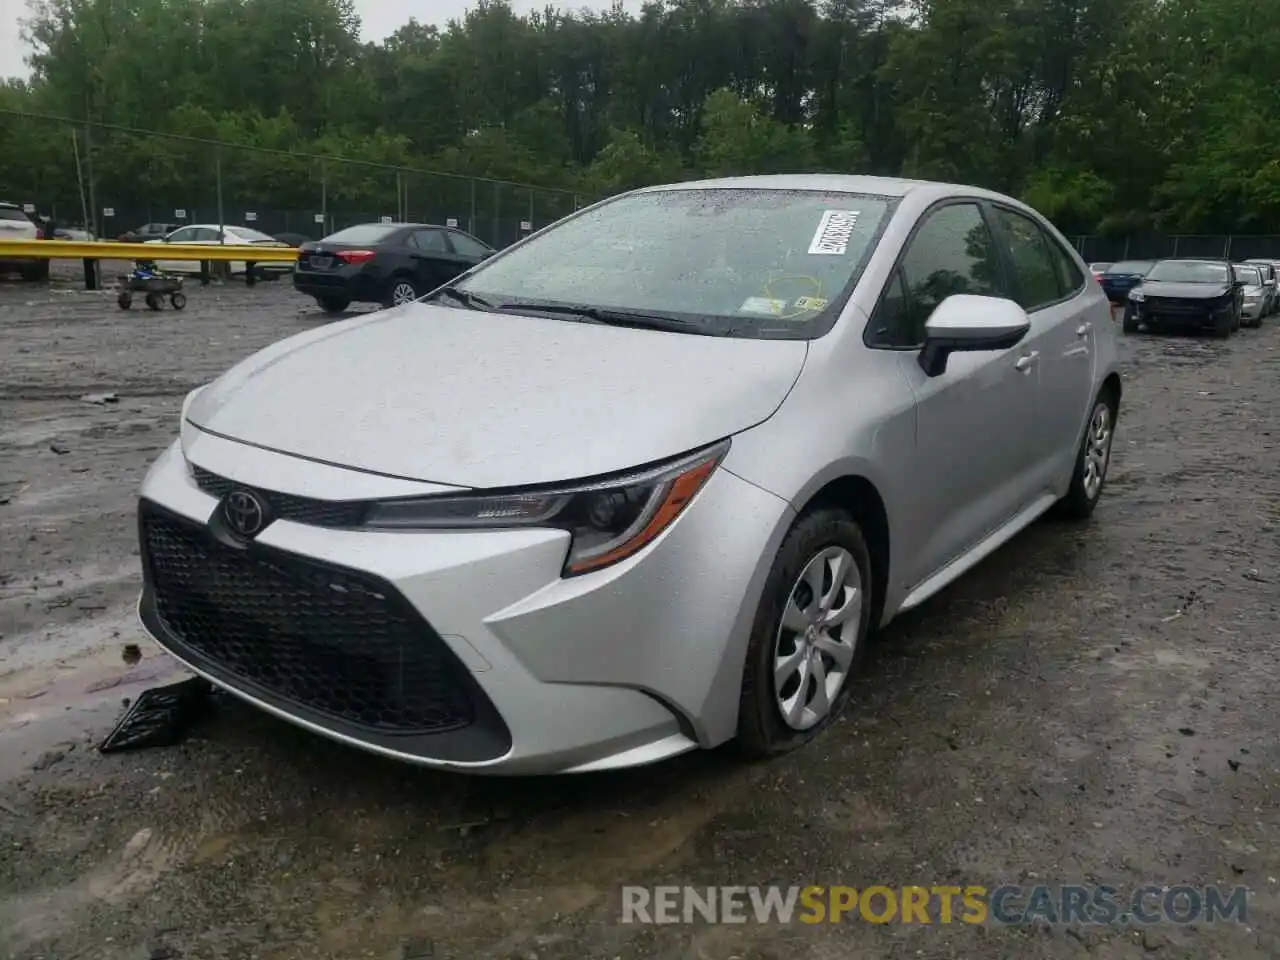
[1113, 117]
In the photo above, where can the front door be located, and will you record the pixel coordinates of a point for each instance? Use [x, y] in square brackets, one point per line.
[976, 423]
[433, 259]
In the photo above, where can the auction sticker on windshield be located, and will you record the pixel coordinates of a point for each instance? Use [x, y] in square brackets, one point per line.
[834, 230]
[763, 306]
[811, 303]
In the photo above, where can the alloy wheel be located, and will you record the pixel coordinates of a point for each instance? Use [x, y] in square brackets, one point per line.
[814, 645]
[1097, 451]
[403, 292]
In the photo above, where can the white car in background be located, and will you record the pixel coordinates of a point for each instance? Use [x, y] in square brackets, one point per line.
[202, 234]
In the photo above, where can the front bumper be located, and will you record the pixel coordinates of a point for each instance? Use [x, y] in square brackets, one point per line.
[1187, 314]
[1252, 311]
[459, 650]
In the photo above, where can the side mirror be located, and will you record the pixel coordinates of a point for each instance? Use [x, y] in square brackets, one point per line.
[964, 323]
[1239, 283]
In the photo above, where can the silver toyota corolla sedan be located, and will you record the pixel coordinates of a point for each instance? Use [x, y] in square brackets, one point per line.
[638, 484]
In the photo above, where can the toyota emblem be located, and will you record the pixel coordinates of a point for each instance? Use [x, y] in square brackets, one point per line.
[245, 513]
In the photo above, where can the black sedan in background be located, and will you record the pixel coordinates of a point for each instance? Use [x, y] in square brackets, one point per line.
[1188, 295]
[386, 263]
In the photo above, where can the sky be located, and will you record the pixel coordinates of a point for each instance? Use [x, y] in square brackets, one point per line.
[378, 17]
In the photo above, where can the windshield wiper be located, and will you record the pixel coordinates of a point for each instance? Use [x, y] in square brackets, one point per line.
[469, 299]
[611, 317]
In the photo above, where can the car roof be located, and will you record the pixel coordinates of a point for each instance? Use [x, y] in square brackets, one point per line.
[893, 187]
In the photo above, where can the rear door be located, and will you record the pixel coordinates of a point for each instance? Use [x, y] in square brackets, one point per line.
[1051, 287]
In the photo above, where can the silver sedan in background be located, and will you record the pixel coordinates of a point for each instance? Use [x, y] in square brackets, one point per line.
[638, 484]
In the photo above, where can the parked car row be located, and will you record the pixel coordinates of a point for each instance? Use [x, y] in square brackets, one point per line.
[1216, 295]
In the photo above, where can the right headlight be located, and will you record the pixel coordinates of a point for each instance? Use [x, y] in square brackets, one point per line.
[609, 520]
[1137, 296]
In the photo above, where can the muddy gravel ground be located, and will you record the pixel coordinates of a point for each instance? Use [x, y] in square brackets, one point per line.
[1092, 705]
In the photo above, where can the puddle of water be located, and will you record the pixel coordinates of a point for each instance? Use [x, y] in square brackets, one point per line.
[51, 705]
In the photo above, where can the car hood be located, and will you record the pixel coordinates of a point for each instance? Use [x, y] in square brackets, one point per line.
[475, 399]
[1184, 291]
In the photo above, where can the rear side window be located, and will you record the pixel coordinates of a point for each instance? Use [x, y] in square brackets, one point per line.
[951, 252]
[1035, 270]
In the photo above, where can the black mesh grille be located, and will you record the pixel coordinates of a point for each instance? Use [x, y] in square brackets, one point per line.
[1171, 306]
[333, 640]
[285, 506]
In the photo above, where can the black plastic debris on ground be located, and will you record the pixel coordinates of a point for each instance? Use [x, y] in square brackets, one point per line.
[161, 716]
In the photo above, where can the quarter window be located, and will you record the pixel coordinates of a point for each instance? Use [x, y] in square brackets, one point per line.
[952, 252]
[1036, 281]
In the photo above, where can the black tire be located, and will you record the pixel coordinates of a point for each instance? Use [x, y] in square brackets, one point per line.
[395, 288]
[1130, 322]
[35, 272]
[155, 301]
[1237, 320]
[125, 300]
[1223, 328]
[333, 304]
[762, 731]
[178, 301]
[1079, 504]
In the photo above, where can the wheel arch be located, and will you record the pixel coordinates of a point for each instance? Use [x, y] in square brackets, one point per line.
[859, 496]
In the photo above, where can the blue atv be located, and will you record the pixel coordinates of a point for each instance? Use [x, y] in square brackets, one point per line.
[148, 280]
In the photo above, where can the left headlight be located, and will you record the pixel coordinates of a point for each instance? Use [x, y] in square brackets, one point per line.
[609, 520]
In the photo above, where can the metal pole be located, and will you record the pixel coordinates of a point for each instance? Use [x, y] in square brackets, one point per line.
[88, 166]
[497, 215]
[324, 197]
[406, 197]
[1175, 247]
[531, 210]
[217, 177]
[471, 221]
[1226, 248]
[1126, 247]
[84, 202]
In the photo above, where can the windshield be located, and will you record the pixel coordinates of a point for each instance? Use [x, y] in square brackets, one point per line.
[362, 233]
[1130, 266]
[249, 233]
[1190, 271]
[1249, 275]
[743, 262]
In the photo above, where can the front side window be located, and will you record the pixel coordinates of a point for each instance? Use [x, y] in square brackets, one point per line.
[740, 262]
[429, 241]
[466, 246]
[1249, 275]
[951, 252]
[184, 235]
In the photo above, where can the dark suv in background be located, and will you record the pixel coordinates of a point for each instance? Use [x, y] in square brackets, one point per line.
[386, 263]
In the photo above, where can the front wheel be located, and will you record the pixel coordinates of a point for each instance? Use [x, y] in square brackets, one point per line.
[1092, 460]
[155, 301]
[1223, 327]
[333, 304]
[35, 272]
[1130, 323]
[125, 300]
[402, 290]
[178, 301]
[809, 634]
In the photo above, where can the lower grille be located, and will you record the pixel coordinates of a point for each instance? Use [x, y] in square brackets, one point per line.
[1173, 307]
[341, 644]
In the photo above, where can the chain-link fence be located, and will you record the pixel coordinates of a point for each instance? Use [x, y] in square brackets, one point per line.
[113, 179]
[1158, 246]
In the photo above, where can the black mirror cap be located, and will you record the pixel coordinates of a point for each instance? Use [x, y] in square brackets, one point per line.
[933, 355]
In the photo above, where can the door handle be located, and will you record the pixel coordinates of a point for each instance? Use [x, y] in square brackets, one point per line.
[1027, 360]
[1083, 329]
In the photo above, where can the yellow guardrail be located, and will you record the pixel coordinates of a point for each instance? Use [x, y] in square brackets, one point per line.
[116, 250]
